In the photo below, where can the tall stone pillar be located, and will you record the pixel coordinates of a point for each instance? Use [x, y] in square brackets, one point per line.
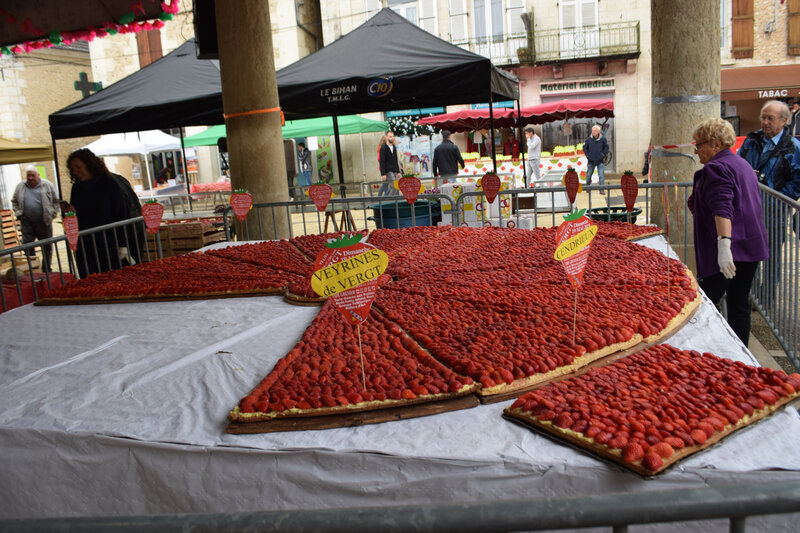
[686, 86]
[249, 97]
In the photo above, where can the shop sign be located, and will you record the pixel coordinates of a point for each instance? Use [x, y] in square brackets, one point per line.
[773, 93]
[420, 111]
[340, 93]
[577, 86]
[507, 103]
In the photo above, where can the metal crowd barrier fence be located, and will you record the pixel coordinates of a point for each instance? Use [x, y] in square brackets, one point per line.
[59, 264]
[702, 509]
[544, 206]
[348, 214]
[190, 203]
[776, 287]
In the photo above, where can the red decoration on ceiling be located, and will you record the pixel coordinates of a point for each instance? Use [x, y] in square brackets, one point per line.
[40, 40]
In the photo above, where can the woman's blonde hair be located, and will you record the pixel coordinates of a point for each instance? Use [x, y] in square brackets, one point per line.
[381, 142]
[716, 129]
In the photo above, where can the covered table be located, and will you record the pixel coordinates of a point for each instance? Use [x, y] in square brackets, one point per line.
[121, 409]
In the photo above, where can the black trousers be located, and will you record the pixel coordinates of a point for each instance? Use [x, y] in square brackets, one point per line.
[737, 292]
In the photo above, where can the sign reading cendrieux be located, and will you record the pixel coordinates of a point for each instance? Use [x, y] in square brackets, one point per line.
[577, 86]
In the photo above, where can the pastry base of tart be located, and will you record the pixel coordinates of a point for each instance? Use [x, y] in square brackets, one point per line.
[159, 297]
[336, 418]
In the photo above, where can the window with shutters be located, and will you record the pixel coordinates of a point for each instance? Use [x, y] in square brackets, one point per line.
[149, 46]
[459, 21]
[579, 30]
[742, 29]
[793, 25]
[427, 16]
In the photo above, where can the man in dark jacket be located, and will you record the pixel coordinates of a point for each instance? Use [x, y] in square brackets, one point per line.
[775, 156]
[390, 168]
[595, 149]
[446, 159]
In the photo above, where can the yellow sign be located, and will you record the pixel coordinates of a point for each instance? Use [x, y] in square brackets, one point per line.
[576, 243]
[349, 273]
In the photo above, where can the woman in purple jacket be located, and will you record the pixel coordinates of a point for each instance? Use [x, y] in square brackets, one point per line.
[729, 233]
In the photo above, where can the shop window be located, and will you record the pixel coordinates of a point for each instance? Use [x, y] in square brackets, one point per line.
[149, 45]
[742, 26]
[793, 24]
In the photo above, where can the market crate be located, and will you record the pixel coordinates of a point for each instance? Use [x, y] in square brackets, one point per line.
[10, 229]
[187, 244]
[150, 244]
[191, 227]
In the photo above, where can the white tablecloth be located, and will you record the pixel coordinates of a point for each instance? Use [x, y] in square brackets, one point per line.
[121, 409]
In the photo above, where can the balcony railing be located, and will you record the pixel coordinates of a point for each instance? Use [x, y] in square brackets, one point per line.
[618, 39]
[501, 49]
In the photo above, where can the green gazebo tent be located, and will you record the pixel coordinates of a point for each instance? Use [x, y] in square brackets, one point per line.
[321, 126]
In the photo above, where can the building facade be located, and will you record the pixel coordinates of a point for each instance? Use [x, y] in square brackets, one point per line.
[760, 59]
[32, 86]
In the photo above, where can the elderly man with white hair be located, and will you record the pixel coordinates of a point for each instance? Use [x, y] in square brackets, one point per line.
[36, 204]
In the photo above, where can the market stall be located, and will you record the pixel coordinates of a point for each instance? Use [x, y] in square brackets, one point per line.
[125, 414]
[136, 143]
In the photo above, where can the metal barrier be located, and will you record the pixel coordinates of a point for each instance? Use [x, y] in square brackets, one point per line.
[776, 287]
[540, 205]
[303, 217]
[735, 503]
[57, 259]
[190, 203]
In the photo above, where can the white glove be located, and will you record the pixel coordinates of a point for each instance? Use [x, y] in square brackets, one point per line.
[725, 258]
[124, 256]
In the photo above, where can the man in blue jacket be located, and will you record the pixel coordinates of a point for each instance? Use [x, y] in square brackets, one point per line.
[595, 149]
[775, 156]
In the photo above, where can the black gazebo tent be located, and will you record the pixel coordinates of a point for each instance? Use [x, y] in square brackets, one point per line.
[386, 63]
[176, 90]
[389, 63]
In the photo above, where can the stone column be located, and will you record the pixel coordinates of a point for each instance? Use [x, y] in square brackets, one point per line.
[686, 86]
[249, 87]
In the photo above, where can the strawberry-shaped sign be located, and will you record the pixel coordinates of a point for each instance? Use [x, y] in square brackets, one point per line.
[242, 203]
[70, 224]
[152, 212]
[320, 193]
[630, 189]
[347, 271]
[410, 186]
[490, 184]
[572, 183]
[572, 244]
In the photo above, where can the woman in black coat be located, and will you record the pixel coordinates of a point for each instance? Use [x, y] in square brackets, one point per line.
[98, 199]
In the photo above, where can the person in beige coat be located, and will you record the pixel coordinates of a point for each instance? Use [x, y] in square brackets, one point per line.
[36, 204]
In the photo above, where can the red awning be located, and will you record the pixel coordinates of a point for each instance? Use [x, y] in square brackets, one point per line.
[471, 119]
[563, 109]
